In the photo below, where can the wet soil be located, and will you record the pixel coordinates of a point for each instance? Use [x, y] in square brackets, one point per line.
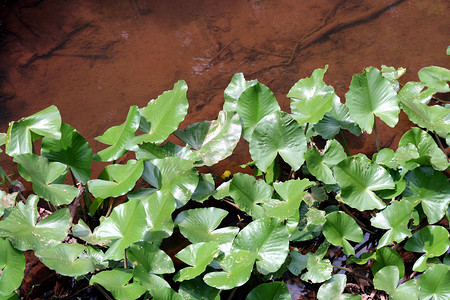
[93, 59]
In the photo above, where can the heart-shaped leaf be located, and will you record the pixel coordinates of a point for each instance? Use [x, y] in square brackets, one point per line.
[386, 279]
[395, 218]
[123, 179]
[388, 257]
[72, 150]
[319, 162]
[234, 90]
[431, 240]
[435, 283]
[197, 289]
[119, 137]
[291, 192]
[247, 193]
[372, 95]
[213, 140]
[430, 188]
[125, 226]
[333, 289]
[339, 228]
[25, 233]
[278, 133]
[319, 269]
[416, 147]
[358, 179]
[435, 78]
[163, 115]
[116, 281]
[270, 291]
[199, 256]
[268, 239]
[336, 119]
[256, 102]
[311, 98]
[237, 266]
[67, 259]
[19, 138]
[43, 173]
[199, 225]
[12, 266]
[414, 103]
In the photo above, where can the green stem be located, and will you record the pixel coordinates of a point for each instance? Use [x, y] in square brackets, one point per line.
[377, 140]
[361, 224]
[440, 144]
[342, 268]
[306, 128]
[232, 293]
[344, 141]
[124, 258]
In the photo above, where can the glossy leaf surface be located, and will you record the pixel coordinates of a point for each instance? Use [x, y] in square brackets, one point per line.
[199, 256]
[435, 283]
[234, 90]
[270, 291]
[339, 228]
[12, 266]
[333, 289]
[117, 282]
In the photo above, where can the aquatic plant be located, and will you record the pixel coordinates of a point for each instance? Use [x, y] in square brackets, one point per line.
[308, 205]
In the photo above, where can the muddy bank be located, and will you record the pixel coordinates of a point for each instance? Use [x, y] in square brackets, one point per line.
[93, 59]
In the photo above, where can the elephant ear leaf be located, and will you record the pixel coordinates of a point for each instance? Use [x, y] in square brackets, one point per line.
[21, 134]
[118, 137]
[234, 90]
[339, 228]
[43, 174]
[271, 291]
[12, 267]
[371, 94]
[435, 78]
[311, 98]
[25, 233]
[117, 282]
[199, 256]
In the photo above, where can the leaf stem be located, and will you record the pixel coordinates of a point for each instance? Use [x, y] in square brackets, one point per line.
[124, 258]
[306, 128]
[438, 140]
[232, 293]
[342, 268]
[344, 141]
[377, 139]
[110, 207]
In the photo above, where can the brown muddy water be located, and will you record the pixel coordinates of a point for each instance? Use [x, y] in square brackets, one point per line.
[93, 59]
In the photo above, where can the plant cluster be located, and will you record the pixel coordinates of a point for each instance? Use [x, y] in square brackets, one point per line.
[307, 188]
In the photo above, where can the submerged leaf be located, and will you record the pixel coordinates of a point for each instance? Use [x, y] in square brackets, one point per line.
[278, 133]
[372, 95]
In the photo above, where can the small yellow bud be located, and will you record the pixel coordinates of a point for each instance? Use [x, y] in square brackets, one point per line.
[226, 175]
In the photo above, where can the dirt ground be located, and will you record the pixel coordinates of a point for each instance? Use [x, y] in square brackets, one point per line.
[93, 59]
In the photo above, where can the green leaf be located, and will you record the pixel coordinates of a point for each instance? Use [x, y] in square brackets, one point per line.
[372, 95]
[291, 192]
[319, 162]
[213, 140]
[125, 226]
[416, 147]
[116, 281]
[199, 256]
[387, 257]
[234, 90]
[336, 119]
[124, 178]
[319, 269]
[149, 261]
[196, 289]
[174, 175]
[164, 114]
[153, 151]
[339, 228]
[25, 233]
[158, 208]
[118, 137]
[247, 193]
[430, 188]
[205, 188]
[414, 103]
[278, 133]
[255, 103]
[435, 283]
[268, 291]
[199, 225]
[386, 279]
[72, 150]
[358, 179]
[82, 231]
[333, 289]
[392, 74]
[268, 239]
[311, 98]
[395, 219]
[435, 78]
[431, 240]
[237, 266]
[19, 138]
[2, 140]
[67, 259]
[12, 266]
[43, 173]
